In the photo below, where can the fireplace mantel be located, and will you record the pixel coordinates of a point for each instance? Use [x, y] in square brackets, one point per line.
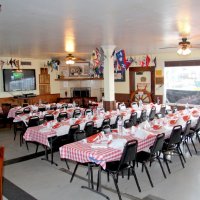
[78, 79]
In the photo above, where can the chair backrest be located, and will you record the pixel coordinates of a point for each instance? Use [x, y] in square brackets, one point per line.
[175, 109]
[48, 117]
[129, 152]
[64, 106]
[79, 135]
[152, 113]
[77, 113]
[143, 116]
[158, 143]
[18, 112]
[128, 123]
[72, 130]
[89, 128]
[106, 129]
[62, 115]
[53, 107]
[134, 105]
[175, 137]
[122, 106]
[27, 110]
[115, 124]
[187, 128]
[197, 127]
[88, 111]
[133, 118]
[105, 122]
[1, 171]
[33, 121]
[41, 109]
[163, 110]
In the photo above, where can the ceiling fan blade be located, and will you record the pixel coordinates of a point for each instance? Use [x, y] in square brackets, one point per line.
[167, 47]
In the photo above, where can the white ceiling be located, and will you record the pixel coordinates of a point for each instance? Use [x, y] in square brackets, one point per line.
[42, 28]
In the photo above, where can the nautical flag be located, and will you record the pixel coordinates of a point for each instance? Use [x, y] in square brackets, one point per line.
[147, 60]
[121, 58]
[129, 62]
[142, 63]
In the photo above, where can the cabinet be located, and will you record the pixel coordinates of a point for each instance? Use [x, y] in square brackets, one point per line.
[44, 81]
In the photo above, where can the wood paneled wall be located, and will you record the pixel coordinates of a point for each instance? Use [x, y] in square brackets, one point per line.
[50, 98]
[119, 97]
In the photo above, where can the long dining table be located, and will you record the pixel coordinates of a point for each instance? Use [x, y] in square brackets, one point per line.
[102, 148]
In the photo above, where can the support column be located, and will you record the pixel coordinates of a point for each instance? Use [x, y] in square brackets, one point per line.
[109, 102]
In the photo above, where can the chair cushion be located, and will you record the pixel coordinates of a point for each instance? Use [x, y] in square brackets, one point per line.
[113, 166]
[142, 156]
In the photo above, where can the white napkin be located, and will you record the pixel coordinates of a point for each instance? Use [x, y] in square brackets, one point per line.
[141, 134]
[146, 125]
[45, 129]
[125, 131]
[118, 144]
[100, 145]
[62, 130]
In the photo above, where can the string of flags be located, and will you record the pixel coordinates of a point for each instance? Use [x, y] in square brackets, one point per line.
[121, 61]
[12, 62]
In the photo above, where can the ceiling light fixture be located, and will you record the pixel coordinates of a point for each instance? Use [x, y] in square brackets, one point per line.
[70, 62]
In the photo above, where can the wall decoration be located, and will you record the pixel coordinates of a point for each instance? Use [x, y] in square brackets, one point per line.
[159, 72]
[119, 76]
[143, 79]
[160, 80]
[79, 69]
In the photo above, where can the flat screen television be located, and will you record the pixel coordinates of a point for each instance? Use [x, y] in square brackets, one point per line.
[19, 80]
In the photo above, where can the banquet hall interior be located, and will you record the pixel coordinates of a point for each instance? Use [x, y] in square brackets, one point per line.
[99, 100]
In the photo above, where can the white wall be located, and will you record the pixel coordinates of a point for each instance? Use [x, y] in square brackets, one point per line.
[35, 64]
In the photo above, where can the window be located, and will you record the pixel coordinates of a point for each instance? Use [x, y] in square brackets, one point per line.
[182, 84]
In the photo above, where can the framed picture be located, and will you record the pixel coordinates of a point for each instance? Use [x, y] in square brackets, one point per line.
[79, 69]
[119, 76]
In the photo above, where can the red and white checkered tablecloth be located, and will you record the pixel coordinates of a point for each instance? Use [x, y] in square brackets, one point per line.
[33, 134]
[83, 152]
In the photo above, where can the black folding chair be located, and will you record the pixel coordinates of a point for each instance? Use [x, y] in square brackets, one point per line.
[133, 118]
[152, 113]
[89, 128]
[77, 113]
[127, 162]
[62, 116]
[172, 146]
[143, 156]
[48, 117]
[128, 123]
[79, 135]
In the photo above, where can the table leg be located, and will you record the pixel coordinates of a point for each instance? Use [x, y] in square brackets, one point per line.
[90, 182]
[47, 158]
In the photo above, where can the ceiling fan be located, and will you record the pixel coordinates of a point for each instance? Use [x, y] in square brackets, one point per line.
[70, 59]
[184, 47]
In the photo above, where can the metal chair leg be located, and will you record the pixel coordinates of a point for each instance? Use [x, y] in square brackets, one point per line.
[116, 186]
[147, 172]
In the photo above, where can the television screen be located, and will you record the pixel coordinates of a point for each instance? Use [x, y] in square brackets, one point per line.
[19, 80]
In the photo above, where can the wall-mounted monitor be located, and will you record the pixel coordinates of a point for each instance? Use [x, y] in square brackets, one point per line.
[19, 80]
